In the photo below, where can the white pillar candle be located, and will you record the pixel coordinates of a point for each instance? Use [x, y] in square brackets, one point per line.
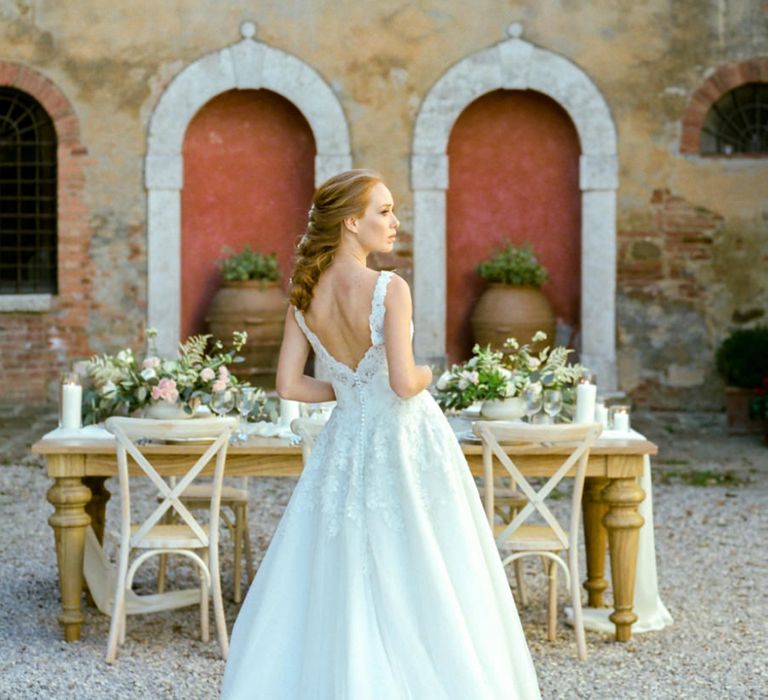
[71, 406]
[288, 411]
[601, 414]
[585, 402]
[621, 421]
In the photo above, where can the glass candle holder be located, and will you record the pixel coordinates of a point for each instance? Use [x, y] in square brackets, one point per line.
[70, 402]
[620, 418]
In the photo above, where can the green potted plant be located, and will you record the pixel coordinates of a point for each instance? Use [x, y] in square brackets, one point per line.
[742, 362]
[513, 303]
[250, 298]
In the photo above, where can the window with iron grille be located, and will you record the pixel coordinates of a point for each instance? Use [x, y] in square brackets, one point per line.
[27, 195]
[738, 122]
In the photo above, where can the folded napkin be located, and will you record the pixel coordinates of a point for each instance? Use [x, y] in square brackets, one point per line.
[269, 429]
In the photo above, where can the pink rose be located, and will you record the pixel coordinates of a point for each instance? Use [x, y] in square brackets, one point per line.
[224, 373]
[151, 363]
[165, 390]
[207, 374]
[219, 385]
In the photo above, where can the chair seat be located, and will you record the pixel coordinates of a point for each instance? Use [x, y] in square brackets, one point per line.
[201, 493]
[175, 536]
[531, 538]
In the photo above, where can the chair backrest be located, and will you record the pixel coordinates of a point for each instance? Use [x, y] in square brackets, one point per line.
[572, 441]
[307, 429]
[129, 431]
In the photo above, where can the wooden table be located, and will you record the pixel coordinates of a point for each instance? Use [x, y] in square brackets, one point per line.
[79, 468]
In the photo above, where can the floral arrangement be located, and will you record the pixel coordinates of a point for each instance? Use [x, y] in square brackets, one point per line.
[514, 265]
[123, 384]
[491, 374]
[248, 265]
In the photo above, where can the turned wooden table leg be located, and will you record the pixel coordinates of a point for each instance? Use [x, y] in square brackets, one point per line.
[97, 506]
[595, 539]
[623, 523]
[69, 496]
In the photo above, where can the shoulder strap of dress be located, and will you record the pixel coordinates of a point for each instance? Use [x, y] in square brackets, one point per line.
[311, 337]
[376, 320]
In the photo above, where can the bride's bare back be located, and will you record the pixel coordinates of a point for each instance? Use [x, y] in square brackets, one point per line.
[340, 311]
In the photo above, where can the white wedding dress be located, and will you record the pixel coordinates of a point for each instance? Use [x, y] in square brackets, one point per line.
[382, 581]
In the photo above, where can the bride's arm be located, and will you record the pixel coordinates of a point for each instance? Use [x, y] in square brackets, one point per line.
[292, 383]
[405, 377]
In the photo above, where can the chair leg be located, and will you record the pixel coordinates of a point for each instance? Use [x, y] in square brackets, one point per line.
[162, 564]
[552, 612]
[248, 551]
[204, 626]
[117, 624]
[578, 619]
[218, 607]
[522, 592]
[237, 593]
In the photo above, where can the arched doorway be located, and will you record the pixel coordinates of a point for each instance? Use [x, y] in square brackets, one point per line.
[248, 178]
[513, 174]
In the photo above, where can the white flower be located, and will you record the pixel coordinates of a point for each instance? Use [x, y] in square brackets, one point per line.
[169, 366]
[125, 356]
[471, 377]
[148, 373]
[505, 373]
[510, 390]
[539, 336]
[444, 382]
[533, 362]
[108, 390]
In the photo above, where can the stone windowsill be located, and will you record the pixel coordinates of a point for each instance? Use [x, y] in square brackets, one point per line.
[25, 303]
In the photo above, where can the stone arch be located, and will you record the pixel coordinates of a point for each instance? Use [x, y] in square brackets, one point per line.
[248, 64]
[515, 64]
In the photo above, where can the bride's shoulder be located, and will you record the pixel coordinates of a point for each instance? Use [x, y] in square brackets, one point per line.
[398, 291]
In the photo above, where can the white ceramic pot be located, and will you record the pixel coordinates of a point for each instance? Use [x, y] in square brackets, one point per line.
[503, 409]
[162, 410]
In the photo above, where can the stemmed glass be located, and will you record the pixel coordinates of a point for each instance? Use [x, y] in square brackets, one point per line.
[553, 403]
[533, 400]
[223, 401]
[246, 401]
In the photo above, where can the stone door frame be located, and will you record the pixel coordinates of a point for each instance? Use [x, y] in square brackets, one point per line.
[248, 64]
[515, 64]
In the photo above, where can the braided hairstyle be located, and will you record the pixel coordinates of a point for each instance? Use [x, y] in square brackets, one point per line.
[342, 196]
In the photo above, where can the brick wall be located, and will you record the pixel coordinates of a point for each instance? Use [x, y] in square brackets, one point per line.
[35, 347]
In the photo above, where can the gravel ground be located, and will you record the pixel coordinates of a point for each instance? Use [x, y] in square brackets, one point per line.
[711, 515]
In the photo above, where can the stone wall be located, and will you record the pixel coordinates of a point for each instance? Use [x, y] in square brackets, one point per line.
[692, 230]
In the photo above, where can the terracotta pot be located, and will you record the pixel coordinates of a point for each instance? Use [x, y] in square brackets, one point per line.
[505, 311]
[259, 309]
[737, 417]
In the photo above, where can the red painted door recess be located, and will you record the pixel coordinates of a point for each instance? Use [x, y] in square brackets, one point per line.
[248, 178]
[514, 173]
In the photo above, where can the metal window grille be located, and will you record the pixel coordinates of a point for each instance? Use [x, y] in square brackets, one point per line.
[27, 195]
[737, 122]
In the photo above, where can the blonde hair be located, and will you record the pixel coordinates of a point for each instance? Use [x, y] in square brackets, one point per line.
[342, 196]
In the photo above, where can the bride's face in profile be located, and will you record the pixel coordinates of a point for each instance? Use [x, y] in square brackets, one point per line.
[377, 228]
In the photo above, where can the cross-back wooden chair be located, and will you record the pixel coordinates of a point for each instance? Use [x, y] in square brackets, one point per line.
[237, 500]
[547, 540]
[152, 537]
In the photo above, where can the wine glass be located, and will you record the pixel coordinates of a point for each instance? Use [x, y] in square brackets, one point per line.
[533, 399]
[223, 401]
[553, 403]
[246, 399]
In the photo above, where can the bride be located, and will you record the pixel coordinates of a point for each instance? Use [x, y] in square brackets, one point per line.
[382, 581]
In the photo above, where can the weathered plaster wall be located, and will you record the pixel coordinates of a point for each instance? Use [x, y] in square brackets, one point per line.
[113, 60]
